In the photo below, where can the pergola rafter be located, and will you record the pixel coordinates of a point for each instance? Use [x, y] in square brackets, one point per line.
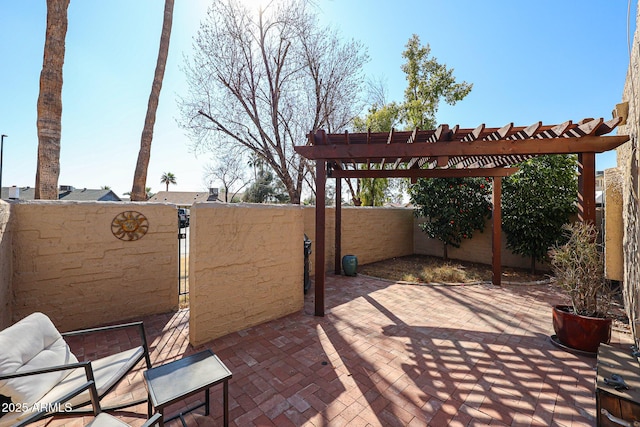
[451, 152]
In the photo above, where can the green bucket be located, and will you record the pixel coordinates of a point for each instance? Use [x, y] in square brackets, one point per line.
[350, 265]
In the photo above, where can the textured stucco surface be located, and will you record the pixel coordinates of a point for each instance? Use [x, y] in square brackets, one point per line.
[5, 265]
[67, 263]
[371, 234]
[627, 157]
[245, 266]
[613, 225]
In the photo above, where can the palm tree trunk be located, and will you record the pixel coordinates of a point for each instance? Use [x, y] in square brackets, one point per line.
[49, 122]
[140, 177]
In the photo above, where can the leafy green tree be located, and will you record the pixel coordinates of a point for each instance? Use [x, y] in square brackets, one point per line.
[374, 191]
[428, 82]
[168, 178]
[536, 202]
[265, 189]
[379, 118]
[453, 208]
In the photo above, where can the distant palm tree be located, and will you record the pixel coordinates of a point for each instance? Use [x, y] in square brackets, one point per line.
[168, 178]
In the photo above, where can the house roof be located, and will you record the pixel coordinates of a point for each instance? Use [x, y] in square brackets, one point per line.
[89, 194]
[181, 198]
[67, 193]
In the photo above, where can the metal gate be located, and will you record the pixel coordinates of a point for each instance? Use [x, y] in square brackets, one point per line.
[183, 260]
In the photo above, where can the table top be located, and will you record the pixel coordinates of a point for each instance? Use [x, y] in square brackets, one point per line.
[178, 379]
[612, 360]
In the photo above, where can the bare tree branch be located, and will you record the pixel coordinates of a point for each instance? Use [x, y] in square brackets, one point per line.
[263, 80]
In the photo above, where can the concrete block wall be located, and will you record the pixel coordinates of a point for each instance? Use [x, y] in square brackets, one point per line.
[245, 266]
[67, 263]
[371, 234]
[5, 266]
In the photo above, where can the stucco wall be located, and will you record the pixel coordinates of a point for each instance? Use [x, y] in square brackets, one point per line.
[372, 234]
[5, 266]
[478, 249]
[68, 264]
[628, 162]
[245, 266]
[613, 226]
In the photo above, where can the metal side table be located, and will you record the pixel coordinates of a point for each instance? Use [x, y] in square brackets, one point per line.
[175, 381]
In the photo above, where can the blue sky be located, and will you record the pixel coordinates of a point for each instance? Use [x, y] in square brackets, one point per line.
[528, 61]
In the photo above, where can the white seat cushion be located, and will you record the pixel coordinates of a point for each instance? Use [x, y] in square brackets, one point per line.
[107, 372]
[106, 420]
[10, 419]
[32, 343]
[35, 343]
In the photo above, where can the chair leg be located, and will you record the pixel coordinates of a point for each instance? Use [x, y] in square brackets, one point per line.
[225, 403]
[207, 400]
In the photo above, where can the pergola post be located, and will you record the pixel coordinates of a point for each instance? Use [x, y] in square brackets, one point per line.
[496, 239]
[338, 227]
[321, 178]
[587, 187]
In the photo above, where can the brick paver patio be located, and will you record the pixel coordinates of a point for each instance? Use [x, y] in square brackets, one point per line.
[386, 355]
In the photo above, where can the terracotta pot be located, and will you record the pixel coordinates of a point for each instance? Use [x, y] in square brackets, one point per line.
[580, 332]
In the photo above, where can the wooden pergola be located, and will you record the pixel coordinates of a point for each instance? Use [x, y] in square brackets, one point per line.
[450, 152]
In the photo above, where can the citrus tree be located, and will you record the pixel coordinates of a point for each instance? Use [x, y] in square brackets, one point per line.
[453, 208]
[536, 202]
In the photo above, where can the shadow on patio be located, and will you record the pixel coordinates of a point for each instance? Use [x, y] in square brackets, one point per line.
[387, 355]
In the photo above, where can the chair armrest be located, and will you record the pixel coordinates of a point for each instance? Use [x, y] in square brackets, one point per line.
[38, 414]
[90, 385]
[84, 365]
[100, 329]
[138, 325]
[155, 420]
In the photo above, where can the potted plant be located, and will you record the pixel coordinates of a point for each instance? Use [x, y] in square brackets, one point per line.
[579, 270]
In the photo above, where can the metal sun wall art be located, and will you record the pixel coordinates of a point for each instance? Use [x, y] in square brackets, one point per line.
[129, 225]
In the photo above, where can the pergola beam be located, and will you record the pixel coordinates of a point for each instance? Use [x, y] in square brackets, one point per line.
[362, 152]
[421, 173]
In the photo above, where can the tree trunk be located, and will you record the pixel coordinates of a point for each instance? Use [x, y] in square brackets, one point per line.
[49, 122]
[138, 192]
[445, 251]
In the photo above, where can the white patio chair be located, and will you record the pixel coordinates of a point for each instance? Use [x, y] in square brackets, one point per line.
[106, 420]
[41, 376]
